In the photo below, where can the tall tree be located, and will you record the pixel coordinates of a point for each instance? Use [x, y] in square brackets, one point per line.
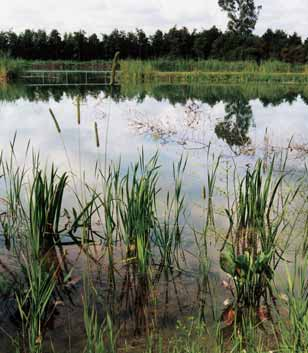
[55, 44]
[158, 44]
[204, 41]
[243, 15]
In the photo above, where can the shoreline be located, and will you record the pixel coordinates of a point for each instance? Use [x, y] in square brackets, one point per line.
[219, 77]
[172, 71]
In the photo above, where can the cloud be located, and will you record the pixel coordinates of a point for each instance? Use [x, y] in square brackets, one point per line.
[104, 15]
[288, 15]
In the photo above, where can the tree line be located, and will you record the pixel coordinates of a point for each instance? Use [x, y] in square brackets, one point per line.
[237, 43]
[177, 43]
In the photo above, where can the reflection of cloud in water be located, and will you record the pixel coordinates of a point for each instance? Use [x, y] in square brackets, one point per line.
[184, 125]
[249, 125]
[160, 125]
[190, 125]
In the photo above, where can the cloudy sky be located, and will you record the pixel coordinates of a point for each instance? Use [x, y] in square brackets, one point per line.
[104, 15]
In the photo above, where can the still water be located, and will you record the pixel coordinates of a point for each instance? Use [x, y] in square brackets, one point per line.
[239, 123]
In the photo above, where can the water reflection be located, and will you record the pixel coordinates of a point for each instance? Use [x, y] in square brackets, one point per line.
[229, 117]
[235, 126]
[273, 95]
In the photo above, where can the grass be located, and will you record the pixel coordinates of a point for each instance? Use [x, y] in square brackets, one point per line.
[174, 71]
[294, 338]
[10, 69]
[211, 71]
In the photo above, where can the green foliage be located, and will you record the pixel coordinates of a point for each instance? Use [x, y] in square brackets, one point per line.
[228, 260]
[10, 68]
[176, 43]
[255, 251]
[294, 330]
[99, 338]
[209, 71]
[243, 15]
[34, 302]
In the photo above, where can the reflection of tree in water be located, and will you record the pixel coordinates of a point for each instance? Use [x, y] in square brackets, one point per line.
[235, 126]
[184, 129]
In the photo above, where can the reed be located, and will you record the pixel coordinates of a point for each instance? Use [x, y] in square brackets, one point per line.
[96, 135]
[34, 302]
[141, 236]
[55, 121]
[167, 235]
[293, 331]
[254, 245]
[33, 229]
[172, 71]
[100, 338]
[114, 68]
[10, 69]
[210, 71]
[26, 227]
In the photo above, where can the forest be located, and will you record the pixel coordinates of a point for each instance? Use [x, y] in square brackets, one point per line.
[176, 43]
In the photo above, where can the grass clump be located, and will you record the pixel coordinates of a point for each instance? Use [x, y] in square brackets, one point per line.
[254, 246]
[10, 69]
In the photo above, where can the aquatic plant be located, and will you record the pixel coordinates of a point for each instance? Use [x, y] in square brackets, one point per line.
[294, 328]
[254, 246]
[10, 68]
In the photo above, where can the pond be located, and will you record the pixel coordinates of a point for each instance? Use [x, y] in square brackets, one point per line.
[241, 124]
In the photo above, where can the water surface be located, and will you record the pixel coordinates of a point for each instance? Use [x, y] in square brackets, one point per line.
[239, 123]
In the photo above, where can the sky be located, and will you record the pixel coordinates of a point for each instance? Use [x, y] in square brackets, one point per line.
[102, 16]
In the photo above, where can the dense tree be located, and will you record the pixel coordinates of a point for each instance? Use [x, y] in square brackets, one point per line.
[143, 44]
[13, 44]
[40, 45]
[294, 52]
[158, 44]
[80, 46]
[242, 14]
[68, 46]
[54, 45]
[93, 48]
[306, 50]
[274, 42]
[204, 41]
[175, 43]
[179, 42]
[3, 43]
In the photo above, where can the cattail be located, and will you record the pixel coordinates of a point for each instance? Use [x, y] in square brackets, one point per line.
[204, 192]
[114, 68]
[96, 134]
[55, 121]
[78, 110]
